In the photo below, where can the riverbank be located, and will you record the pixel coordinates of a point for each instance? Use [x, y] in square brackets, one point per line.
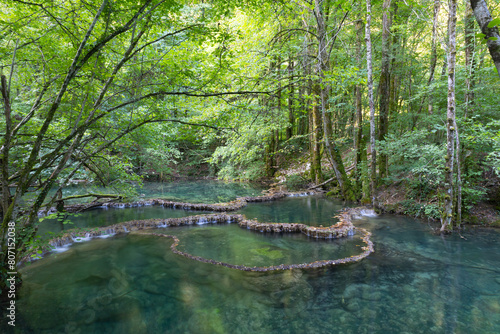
[402, 197]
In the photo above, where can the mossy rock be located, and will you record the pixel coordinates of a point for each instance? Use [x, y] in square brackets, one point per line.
[334, 192]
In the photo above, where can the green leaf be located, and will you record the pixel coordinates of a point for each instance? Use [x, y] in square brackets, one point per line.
[494, 23]
[493, 38]
[481, 35]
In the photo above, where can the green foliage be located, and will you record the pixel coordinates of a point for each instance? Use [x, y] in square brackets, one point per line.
[416, 209]
[296, 182]
[412, 153]
[494, 23]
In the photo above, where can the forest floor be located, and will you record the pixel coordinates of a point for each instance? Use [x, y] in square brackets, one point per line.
[395, 198]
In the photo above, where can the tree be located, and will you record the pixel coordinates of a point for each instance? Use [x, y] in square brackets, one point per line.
[370, 98]
[447, 217]
[67, 103]
[384, 85]
[325, 45]
[489, 29]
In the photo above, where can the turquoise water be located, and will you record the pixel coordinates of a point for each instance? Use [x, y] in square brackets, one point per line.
[415, 282]
[200, 191]
[195, 191]
[235, 245]
[310, 210]
[108, 216]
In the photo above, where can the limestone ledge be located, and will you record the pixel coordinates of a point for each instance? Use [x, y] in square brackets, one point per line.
[237, 204]
[367, 250]
[342, 229]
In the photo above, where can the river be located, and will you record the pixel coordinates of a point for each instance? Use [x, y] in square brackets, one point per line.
[415, 282]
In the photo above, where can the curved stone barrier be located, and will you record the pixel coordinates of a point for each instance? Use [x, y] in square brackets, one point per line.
[237, 204]
[367, 250]
[342, 229]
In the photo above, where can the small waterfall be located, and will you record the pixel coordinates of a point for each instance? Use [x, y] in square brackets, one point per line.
[87, 237]
[106, 234]
[61, 249]
[202, 221]
[368, 213]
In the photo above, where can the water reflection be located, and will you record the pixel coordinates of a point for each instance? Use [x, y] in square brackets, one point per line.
[415, 282]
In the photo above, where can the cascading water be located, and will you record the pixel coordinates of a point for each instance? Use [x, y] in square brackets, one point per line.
[415, 282]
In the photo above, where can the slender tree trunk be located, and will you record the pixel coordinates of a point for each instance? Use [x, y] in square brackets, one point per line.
[458, 188]
[359, 143]
[302, 126]
[370, 98]
[384, 86]
[314, 119]
[316, 174]
[432, 67]
[469, 57]
[291, 118]
[322, 67]
[447, 217]
[4, 152]
[483, 18]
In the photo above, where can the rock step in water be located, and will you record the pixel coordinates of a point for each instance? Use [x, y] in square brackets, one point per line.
[237, 204]
[342, 229]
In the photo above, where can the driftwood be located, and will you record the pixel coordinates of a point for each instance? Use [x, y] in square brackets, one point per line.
[322, 184]
[350, 168]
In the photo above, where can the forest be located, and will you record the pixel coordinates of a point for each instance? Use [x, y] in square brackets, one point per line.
[392, 104]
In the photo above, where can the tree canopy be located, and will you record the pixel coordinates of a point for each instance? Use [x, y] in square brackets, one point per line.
[115, 91]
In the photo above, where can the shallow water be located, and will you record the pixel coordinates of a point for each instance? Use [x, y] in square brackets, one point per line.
[415, 282]
[235, 245]
[195, 191]
[310, 210]
[99, 217]
[200, 191]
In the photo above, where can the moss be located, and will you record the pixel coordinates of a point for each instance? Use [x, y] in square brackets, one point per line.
[271, 254]
[391, 208]
[334, 192]
[365, 201]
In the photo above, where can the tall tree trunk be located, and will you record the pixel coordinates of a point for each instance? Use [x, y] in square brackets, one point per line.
[469, 57]
[432, 67]
[269, 155]
[313, 117]
[359, 143]
[384, 85]
[447, 217]
[458, 188]
[322, 67]
[483, 18]
[291, 118]
[302, 126]
[368, 41]
[316, 130]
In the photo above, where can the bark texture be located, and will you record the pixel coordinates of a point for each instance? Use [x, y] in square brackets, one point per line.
[368, 41]
[483, 18]
[447, 217]
[384, 85]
